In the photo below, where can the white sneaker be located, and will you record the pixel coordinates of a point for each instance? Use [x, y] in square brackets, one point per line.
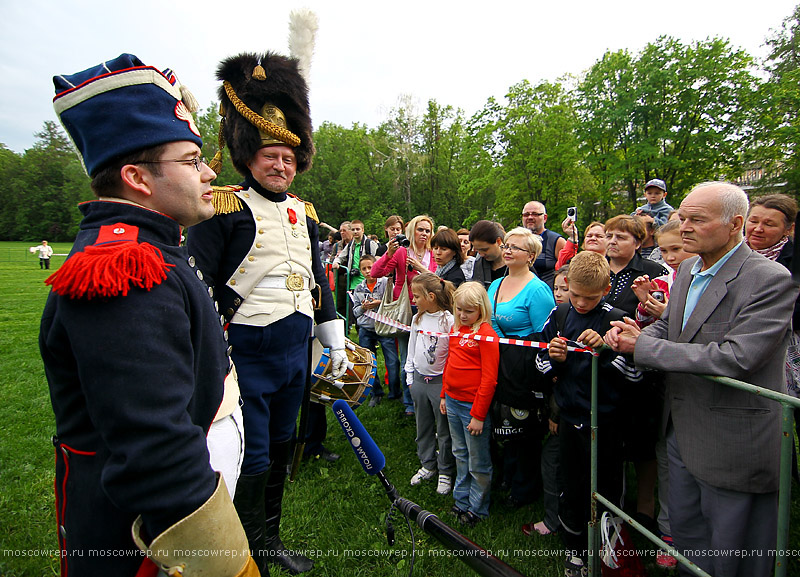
[422, 475]
[574, 567]
[445, 484]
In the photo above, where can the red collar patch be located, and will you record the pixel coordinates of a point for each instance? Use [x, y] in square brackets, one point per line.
[117, 233]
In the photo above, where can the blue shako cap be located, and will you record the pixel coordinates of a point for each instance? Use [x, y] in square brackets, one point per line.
[121, 106]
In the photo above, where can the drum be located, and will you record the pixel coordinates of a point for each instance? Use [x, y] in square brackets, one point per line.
[354, 386]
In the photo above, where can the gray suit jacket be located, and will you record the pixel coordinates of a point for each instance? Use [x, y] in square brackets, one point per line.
[739, 329]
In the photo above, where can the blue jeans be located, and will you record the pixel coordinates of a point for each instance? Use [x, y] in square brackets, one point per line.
[369, 339]
[473, 461]
[402, 344]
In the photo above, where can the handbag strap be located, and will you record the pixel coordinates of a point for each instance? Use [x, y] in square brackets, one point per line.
[388, 294]
[494, 306]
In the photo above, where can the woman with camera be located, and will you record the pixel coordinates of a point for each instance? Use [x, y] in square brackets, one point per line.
[406, 256]
[393, 226]
[594, 239]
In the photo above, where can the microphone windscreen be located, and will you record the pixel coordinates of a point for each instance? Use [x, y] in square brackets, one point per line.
[367, 452]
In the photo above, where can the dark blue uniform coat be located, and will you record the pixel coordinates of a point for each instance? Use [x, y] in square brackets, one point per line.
[135, 382]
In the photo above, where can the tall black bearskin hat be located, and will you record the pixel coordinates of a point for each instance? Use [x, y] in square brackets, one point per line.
[263, 101]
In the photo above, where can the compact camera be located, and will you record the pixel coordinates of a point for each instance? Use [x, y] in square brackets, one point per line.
[402, 240]
[572, 212]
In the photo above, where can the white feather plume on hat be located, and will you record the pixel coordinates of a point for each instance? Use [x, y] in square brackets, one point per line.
[303, 26]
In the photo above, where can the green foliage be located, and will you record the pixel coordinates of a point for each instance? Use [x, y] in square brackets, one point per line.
[41, 189]
[774, 139]
[671, 112]
[443, 138]
[409, 165]
[536, 153]
[208, 124]
[684, 113]
[347, 176]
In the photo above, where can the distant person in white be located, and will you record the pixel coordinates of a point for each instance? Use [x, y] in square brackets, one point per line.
[45, 252]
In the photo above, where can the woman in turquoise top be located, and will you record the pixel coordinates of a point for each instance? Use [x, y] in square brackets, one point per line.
[521, 303]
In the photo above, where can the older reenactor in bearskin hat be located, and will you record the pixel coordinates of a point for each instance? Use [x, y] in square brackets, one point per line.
[134, 351]
[260, 255]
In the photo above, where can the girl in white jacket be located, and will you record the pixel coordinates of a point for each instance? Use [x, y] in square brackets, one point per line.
[424, 366]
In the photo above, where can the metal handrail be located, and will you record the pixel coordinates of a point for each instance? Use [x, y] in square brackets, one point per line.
[784, 488]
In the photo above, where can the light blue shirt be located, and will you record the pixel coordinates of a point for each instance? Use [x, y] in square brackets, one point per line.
[701, 280]
[526, 313]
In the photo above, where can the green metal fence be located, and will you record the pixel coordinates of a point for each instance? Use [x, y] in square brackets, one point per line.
[784, 492]
[348, 307]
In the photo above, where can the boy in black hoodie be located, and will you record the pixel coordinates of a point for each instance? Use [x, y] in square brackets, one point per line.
[584, 319]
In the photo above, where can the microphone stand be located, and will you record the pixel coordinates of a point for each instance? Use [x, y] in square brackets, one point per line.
[476, 557]
[391, 492]
[373, 461]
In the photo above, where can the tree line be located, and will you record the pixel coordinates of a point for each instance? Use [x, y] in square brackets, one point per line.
[682, 112]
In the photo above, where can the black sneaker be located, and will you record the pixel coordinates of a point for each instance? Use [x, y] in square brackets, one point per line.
[375, 401]
[469, 519]
[513, 503]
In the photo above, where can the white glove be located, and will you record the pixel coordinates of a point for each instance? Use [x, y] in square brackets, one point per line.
[409, 379]
[331, 335]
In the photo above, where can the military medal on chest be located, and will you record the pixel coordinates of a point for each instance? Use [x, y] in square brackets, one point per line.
[293, 222]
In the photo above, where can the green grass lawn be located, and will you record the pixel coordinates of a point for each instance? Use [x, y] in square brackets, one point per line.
[334, 510]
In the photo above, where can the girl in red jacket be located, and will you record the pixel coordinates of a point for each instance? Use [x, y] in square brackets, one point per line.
[469, 380]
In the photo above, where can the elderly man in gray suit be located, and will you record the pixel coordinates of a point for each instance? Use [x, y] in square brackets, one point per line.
[729, 314]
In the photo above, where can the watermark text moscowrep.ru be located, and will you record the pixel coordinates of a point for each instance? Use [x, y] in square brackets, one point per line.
[390, 553]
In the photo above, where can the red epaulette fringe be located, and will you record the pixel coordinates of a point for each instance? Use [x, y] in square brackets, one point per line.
[110, 270]
[147, 569]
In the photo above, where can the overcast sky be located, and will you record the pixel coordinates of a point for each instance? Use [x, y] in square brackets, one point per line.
[368, 53]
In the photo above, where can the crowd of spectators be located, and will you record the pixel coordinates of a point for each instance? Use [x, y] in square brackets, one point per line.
[539, 287]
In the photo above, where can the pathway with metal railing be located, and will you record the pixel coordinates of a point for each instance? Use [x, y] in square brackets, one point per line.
[784, 492]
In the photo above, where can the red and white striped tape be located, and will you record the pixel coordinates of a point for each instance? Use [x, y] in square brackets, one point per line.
[488, 338]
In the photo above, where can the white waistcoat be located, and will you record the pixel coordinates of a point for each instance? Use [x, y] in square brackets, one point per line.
[280, 248]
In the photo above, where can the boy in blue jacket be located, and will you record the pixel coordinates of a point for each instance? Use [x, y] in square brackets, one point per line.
[655, 191]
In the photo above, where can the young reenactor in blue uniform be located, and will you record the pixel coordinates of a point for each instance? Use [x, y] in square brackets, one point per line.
[260, 255]
[134, 353]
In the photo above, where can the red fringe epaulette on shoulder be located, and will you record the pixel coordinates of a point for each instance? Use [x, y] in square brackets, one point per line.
[224, 199]
[311, 212]
[110, 267]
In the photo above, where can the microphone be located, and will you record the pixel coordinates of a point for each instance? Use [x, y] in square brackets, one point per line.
[373, 462]
[367, 452]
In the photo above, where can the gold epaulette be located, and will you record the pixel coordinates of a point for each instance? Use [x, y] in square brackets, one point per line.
[310, 211]
[224, 200]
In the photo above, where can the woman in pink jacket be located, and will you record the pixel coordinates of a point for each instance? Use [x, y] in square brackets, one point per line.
[404, 263]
